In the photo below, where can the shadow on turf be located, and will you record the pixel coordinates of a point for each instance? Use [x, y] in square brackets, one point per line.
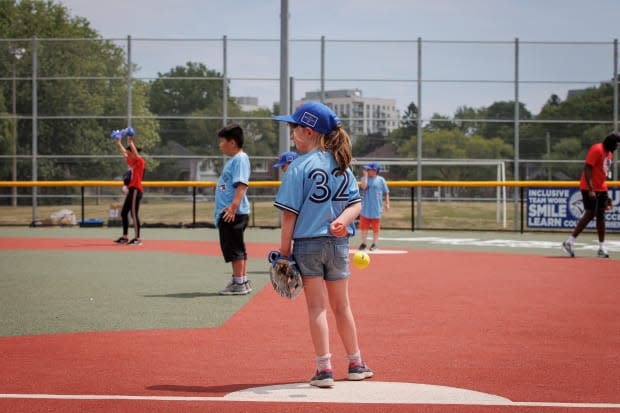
[183, 295]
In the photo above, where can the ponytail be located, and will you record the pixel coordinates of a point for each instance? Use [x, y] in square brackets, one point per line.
[339, 143]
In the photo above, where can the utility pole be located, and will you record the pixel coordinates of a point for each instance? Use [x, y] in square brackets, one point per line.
[284, 132]
[17, 53]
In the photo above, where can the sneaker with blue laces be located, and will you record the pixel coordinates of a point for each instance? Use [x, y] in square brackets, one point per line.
[359, 371]
[323, 379]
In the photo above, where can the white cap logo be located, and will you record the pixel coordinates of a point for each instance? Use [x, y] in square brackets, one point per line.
[309, 119]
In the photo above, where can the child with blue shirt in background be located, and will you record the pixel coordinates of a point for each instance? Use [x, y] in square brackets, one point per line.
[375, 199]
[232, 208]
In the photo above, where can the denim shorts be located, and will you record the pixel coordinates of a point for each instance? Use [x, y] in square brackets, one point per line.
[326, 257]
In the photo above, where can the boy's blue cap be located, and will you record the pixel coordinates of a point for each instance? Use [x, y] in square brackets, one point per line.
[314, 115]
[373, 165]
[285, 159]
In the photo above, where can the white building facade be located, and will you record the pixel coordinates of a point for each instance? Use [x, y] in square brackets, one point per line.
[359, 115]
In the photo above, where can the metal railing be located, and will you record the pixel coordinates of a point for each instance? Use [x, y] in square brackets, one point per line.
[486, 212]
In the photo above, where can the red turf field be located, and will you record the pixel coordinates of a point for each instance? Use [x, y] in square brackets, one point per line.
[543, 332]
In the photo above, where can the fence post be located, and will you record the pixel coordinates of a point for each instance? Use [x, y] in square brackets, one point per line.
[615, 104]
[224, 81]
[129, 81]
[35, 115]
[516, 125]
[193, 206]
[419, 132]
[82, 202]
[522, 210]
[412, 198]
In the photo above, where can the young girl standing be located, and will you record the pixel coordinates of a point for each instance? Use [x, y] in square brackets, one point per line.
[319, 199]
[136, 164]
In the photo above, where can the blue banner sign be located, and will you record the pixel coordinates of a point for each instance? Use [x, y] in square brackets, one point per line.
[561, 208]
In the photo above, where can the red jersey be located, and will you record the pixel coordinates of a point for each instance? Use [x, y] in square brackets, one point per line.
[600, 160]
[137, 172]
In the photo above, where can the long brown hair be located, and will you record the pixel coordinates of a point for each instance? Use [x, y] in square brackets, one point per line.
[339, 143]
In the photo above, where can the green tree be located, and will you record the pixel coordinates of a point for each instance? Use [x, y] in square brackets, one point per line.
[410, 117]
[6, 137]
[591, 104]
[73, 110]
[188, 91]
[454, 144]
[261, 133]
[469, 119]
[404, 136]
[560, 139]
[501, 120]
[366, 144]
[408, 124]
[439, 122]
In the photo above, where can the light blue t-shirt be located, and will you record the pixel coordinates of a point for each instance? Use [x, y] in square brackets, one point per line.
[236, 171]
[313, 191]
[372, 197]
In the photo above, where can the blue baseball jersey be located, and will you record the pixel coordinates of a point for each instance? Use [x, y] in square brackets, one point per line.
[372, 199]
[236, 171]
[312, 189]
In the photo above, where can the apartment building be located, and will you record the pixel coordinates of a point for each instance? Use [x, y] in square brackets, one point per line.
[360, 115]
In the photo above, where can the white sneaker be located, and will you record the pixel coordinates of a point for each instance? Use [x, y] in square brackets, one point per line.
[568, 248]
[602, 253]
[235, 289]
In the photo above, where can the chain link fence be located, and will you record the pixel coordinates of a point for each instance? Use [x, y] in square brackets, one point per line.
[44, 98]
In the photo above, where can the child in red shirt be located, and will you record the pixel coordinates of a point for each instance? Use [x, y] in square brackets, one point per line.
[136, 165]
[593, 185]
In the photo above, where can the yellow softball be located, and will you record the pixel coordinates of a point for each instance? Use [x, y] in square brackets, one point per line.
[360, 260]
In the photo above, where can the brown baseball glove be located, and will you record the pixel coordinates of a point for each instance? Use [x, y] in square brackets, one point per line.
[284, 275]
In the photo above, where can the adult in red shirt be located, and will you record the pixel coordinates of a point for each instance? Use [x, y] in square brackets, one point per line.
[593, 185]
[136, 165]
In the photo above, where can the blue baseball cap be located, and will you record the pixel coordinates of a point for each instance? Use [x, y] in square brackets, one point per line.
[373, 165]
[314, 115]
[285, 159]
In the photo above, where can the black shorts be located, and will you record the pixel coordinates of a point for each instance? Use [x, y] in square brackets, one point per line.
[597, 204]
[231, 238]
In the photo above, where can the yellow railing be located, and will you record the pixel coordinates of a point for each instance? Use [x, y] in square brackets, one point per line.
[275, 184]
[414, 198]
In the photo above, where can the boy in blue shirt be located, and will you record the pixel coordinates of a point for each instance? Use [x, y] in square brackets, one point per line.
[375, 197]
[232, 208]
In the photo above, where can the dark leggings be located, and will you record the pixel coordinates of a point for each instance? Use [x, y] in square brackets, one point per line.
[132, 204]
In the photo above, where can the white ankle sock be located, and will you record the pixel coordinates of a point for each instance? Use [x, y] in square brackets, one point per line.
[324, 362]
[355, 358]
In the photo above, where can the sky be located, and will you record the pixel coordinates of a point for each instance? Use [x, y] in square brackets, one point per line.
[468, 52]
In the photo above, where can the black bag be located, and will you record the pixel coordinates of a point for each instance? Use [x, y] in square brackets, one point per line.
[127, 177]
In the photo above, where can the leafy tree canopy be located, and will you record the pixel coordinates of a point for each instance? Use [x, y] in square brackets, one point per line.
[78, 107]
